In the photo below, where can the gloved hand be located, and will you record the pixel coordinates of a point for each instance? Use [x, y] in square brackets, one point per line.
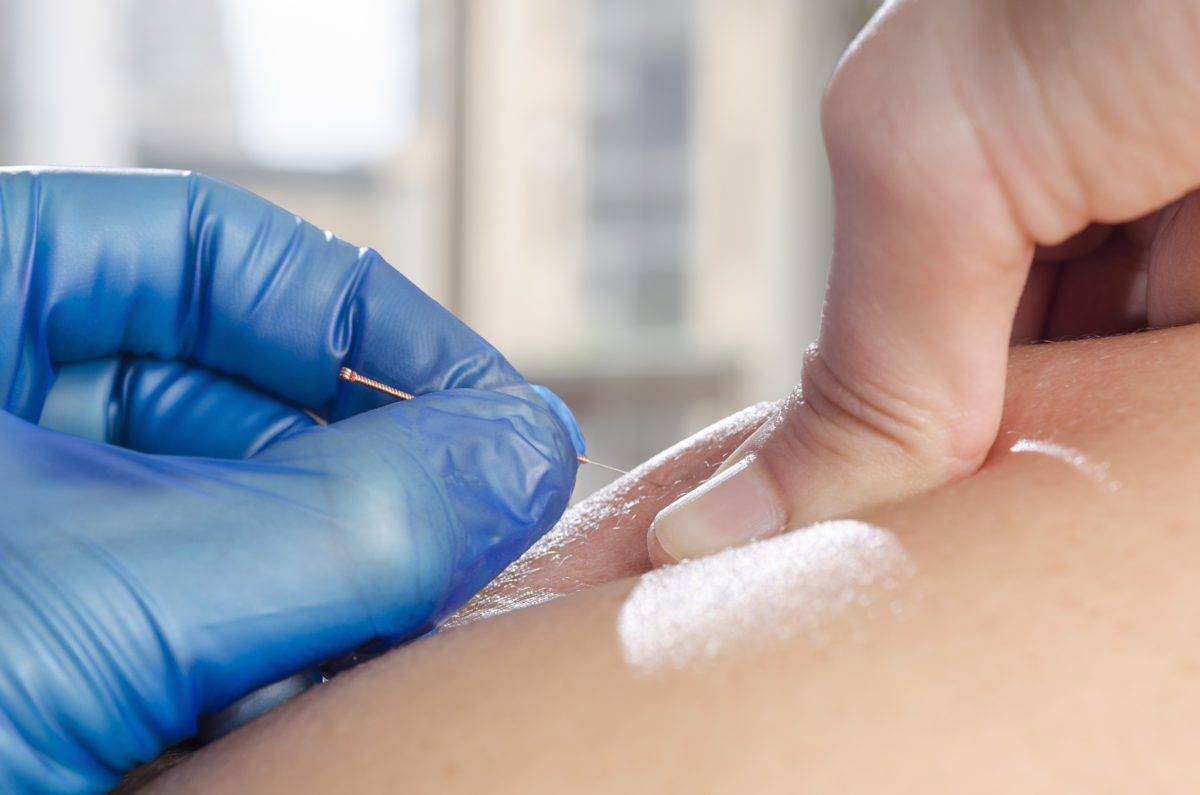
[231, 539]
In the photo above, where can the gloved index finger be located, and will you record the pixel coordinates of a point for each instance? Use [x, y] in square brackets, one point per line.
[176, 265]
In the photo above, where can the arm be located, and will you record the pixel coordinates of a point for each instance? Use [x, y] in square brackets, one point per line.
[1032, 626]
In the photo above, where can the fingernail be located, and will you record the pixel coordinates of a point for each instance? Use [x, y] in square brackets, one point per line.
[736, 506]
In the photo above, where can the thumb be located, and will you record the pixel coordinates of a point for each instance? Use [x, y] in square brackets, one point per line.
[371, 528]
[825, 451]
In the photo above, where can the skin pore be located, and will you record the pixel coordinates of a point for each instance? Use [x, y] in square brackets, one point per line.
[1027, 628]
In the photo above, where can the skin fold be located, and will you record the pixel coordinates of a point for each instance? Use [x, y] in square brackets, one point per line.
[603, 538]
[1038, 634]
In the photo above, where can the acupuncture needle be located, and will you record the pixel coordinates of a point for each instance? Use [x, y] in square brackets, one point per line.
[353, 377]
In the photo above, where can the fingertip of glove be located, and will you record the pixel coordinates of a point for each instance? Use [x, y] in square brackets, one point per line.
[559, 408]
[507, 479]
[510, 436]
[533, 454]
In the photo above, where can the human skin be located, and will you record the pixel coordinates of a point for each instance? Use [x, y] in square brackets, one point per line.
[1041, 635]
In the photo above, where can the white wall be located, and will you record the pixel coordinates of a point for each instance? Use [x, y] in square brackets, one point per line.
[71, 103]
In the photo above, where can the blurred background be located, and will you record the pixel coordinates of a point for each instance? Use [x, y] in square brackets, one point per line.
[628, 197]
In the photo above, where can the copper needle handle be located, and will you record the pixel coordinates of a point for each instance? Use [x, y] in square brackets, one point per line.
[346, 374]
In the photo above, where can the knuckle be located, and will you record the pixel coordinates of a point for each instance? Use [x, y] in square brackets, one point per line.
[833, 104]
[849, 418]
[861, 81]
[842, 107]
[805, 436]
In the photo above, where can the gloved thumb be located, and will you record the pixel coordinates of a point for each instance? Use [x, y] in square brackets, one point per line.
[374, 528]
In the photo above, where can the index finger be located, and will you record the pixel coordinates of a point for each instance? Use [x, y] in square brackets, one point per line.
[176, 265]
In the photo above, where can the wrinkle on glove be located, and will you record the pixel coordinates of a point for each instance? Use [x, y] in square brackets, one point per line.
[200, 531]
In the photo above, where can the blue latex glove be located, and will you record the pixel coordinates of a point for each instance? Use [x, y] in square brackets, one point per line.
[230, 540]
